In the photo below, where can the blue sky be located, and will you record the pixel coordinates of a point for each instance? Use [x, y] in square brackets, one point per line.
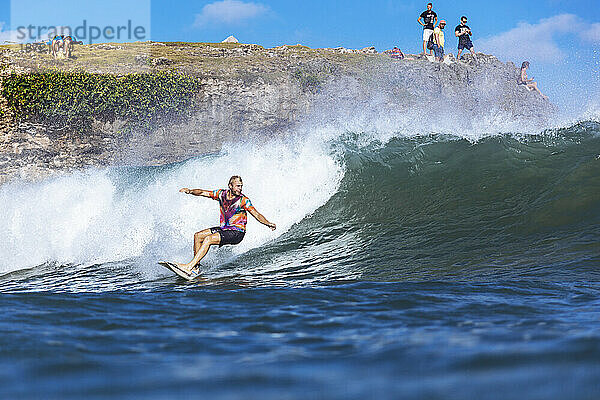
[560, 38]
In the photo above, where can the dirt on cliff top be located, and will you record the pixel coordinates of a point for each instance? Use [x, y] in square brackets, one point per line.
[197, 59]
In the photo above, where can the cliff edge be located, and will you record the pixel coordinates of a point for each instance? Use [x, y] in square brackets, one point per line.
[152, 103]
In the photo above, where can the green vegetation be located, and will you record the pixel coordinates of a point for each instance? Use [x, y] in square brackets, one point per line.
[77, 98]
[312, 74]
[144, 83]
[309, 81]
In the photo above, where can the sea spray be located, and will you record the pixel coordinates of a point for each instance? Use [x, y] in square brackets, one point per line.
[344, 175]
[104, 215]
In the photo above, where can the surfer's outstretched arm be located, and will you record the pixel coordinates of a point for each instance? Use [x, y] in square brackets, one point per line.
[196, 192]
[261, 218]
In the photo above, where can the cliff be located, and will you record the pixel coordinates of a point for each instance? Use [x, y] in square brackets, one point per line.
[153, 103]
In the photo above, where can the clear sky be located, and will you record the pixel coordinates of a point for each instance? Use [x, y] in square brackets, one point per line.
[560, 38]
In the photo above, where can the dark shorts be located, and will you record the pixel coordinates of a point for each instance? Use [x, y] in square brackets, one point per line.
[465, 45]
[228, 236]
[438, 51]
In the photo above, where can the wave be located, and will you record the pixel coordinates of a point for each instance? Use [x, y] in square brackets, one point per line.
[348, 205]
[105, 215]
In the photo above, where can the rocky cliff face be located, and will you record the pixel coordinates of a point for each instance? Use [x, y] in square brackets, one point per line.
[251, 93]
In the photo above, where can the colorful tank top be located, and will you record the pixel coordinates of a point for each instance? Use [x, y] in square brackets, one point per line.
[233, 212]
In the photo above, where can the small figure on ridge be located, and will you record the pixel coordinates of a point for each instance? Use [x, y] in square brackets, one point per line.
[528, 82]
[397, 54]
[463, 33]
[438, 41]
[429, 21]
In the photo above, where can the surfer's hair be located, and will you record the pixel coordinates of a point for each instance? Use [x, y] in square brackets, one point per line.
[233, 178]
[525, 64]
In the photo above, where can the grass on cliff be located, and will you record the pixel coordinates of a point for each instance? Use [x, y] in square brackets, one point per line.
[76, 99]
[143, 83]
[193, 58]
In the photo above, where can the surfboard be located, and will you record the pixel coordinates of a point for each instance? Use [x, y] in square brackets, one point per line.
[174, 268]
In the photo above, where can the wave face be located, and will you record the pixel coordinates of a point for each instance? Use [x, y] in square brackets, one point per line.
[441, 207]
[348, 206]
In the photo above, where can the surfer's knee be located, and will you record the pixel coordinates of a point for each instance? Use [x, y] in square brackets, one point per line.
[215, 238]
[201, 235]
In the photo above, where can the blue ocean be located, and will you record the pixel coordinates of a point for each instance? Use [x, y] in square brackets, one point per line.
[405, 265]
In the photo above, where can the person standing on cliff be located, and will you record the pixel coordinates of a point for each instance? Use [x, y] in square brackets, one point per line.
[463, 33]
[429, 21]
[234, 207]
[438, 41]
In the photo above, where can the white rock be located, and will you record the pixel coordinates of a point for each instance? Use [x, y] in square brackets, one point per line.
[230, 39]
[369, 50]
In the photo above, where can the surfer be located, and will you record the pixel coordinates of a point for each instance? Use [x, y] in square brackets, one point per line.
[234, 207]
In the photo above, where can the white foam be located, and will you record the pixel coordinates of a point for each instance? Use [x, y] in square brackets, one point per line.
[382, 113]
[592, 111]
[100, 216]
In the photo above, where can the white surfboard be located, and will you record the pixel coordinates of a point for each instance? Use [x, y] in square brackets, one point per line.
[174, 268]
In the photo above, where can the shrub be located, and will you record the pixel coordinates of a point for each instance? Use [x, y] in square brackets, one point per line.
[75, 99]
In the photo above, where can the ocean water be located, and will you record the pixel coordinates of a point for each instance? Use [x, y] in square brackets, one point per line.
[435, 266]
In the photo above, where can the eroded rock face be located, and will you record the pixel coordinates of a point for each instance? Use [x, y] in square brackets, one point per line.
[242, 99]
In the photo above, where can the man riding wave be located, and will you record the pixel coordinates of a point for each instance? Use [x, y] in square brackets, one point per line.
[234, 207]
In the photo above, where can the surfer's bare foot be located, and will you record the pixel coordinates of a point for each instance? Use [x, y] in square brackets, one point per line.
[184, 267]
